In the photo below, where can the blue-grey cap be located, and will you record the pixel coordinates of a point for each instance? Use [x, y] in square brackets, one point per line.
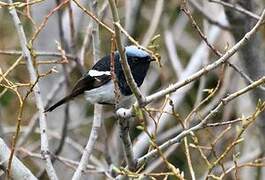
[134, 51]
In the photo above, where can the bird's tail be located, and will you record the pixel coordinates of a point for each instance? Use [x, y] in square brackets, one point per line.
[59, 103]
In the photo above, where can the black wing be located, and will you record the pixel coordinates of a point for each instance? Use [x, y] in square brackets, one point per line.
[87, 82]
[84, 84]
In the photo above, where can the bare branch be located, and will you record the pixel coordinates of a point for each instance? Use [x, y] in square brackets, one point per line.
[204, 70]
[125, 66]
[199, 126]
[237, 8]
[33, 76]
[207, 16]
[19, 170]
[90, 144]
[37, 53]
[124, 122]
[154, 23]
[98, 109]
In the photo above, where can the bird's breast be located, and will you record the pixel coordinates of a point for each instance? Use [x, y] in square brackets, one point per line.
[105, 95]
[102, 94]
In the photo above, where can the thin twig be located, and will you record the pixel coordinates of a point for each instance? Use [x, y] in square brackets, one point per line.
[124, 122]
[224, 123]
[247, 122]
[19, 4]
[34, 119]
[125, 66]
[216, 52]
[199, 126]
[19, 170]
[36, 53]
[45, 21]
[67, 162]
[210, 67]
[93, 17]
[154, 23]
[207, 16]
[98, 109]
[198, 74]
[237, 8]
[33, 77]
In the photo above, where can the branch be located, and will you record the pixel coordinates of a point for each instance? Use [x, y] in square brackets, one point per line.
[90, 144]
[237, 8]
[93, 17]
[154, 23]
[98, 109]
[33, 77]
[124, 122]
[19, 170]
[177, 97]
[206, 15]
[67, 162]
[125, 66]
[215, 51]
[37, 53]
[49, 97]
[202, 124]
[203, 71]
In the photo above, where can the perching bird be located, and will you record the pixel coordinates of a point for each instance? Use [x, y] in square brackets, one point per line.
[97, 85]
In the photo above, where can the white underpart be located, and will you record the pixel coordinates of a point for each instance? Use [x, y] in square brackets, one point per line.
[105, 94]
[95, 73]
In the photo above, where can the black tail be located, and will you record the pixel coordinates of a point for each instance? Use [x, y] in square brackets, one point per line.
[82, 85]
[59, 103]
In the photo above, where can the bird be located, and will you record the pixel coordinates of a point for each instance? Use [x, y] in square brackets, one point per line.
[97, 85]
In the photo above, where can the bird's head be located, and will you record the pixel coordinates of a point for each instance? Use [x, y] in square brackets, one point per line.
[137, 56]
[139, 61]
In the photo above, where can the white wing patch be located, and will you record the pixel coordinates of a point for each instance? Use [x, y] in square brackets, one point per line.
[95, 73]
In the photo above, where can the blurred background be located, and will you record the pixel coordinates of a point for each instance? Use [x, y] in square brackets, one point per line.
[64, 45]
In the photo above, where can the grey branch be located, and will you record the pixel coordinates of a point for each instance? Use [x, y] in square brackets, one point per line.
[33, 77]
[202, 124]
[19, 170]
[37, 53]
[201, 72]
[98, 109]
[125, 66]
[124, 122]
[237, 8]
